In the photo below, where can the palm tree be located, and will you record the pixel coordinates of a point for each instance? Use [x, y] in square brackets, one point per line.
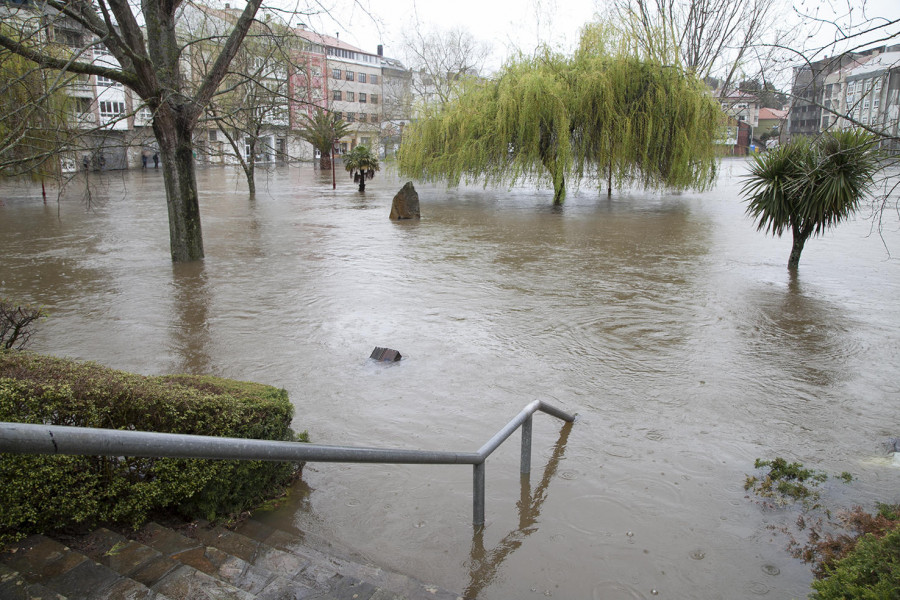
[810, 186]
[320, 130]
[361, 164]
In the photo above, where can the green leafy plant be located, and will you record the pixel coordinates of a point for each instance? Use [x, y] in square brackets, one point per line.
[808, 187]
[856, 556]
[361, 164]
[50, 492]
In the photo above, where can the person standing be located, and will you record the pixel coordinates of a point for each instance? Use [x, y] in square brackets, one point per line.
[143, 159]
[156, 160]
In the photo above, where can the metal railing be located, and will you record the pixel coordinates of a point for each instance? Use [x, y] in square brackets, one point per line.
[25, 438]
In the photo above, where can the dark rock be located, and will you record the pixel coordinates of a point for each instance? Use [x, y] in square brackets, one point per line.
[385, 354]
[406, 203]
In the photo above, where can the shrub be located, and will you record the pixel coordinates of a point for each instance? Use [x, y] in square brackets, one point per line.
[17, 324]
[870, 571]
[41, 493]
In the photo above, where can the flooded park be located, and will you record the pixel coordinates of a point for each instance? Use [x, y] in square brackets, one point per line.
[665, 321]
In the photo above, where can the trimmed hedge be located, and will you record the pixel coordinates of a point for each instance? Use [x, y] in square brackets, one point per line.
[41, 493]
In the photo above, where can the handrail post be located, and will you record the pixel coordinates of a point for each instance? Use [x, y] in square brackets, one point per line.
[478, 494]
[526, 446]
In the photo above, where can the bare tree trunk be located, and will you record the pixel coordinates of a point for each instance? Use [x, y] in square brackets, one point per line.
[176, 152]
[325, 160]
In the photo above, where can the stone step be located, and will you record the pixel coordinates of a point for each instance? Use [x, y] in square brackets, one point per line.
[14, 587]
[325, 557]
[257, 579]
[41, 561]
[173, 574]
[204, 563]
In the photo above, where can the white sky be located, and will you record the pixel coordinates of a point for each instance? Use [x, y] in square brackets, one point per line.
[508, 24]
[504, 24]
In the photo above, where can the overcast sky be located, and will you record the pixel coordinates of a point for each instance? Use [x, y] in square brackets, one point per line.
[509, 24]
[504, 24]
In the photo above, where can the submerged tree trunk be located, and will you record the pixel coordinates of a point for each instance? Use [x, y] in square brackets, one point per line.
[176, 152]
[325, 159]
[801, 234]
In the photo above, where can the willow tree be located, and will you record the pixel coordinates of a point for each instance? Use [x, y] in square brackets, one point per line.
[603, 114]
[34, 117]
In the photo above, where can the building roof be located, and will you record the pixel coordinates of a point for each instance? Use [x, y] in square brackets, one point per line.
[772, 113]
[735, 95]
[880, 62]
[327, 40]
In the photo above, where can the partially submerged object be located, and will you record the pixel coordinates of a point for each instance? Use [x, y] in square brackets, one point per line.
[385, 354]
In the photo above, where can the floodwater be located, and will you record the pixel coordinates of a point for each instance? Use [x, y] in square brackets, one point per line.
[666, 322]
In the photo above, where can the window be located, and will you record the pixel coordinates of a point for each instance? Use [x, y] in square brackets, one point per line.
[101, 50]
[362, 98]
[350, 117]
[351, 97]
[362, 77]
[373, 79]
[373, 99]
[336, 95]
[106, 82]
[825, 122]
[866, 104]
[316, 72]
[109, 110]
[373, 118]
[876, 102]
[350, 75]
[336, 73]
[338, 116]
[213, 135]
[68, 37]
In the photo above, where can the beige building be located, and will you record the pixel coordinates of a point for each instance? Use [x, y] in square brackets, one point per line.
[354, 90]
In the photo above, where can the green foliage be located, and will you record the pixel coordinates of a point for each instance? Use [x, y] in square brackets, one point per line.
[808, 187]
[871, 571]
[50, 492]
[34, 115]
[361, 164]
[787, 482]
[321, 129]
[604, 113]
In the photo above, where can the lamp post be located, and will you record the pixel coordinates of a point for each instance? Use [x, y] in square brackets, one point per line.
[333, 180]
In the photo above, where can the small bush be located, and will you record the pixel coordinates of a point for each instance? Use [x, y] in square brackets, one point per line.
[870, 571]
[42, 493]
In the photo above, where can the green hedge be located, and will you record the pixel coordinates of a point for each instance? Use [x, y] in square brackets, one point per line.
[871, 571]
[41, 493]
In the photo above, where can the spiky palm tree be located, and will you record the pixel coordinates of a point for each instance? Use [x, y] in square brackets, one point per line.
[361, 164]
[810, 186]
[320, 130]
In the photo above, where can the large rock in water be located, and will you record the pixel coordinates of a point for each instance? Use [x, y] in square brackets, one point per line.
[406, 203]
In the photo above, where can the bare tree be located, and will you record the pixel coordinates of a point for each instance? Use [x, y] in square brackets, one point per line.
[143, 38]
[440, 60]
[253, 102]
[707, 37]
[17, 324]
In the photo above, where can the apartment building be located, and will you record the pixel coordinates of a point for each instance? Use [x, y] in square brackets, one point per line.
[353, 82]
[851, 90]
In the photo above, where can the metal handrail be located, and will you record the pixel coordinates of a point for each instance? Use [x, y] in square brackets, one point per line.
[27, 438]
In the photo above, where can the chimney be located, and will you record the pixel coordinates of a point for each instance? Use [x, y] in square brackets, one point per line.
[227, 6]
[380, 50]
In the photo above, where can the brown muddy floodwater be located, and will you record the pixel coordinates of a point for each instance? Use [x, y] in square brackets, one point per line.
[667, 322]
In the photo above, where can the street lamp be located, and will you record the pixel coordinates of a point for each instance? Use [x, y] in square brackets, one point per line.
[333, 180]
